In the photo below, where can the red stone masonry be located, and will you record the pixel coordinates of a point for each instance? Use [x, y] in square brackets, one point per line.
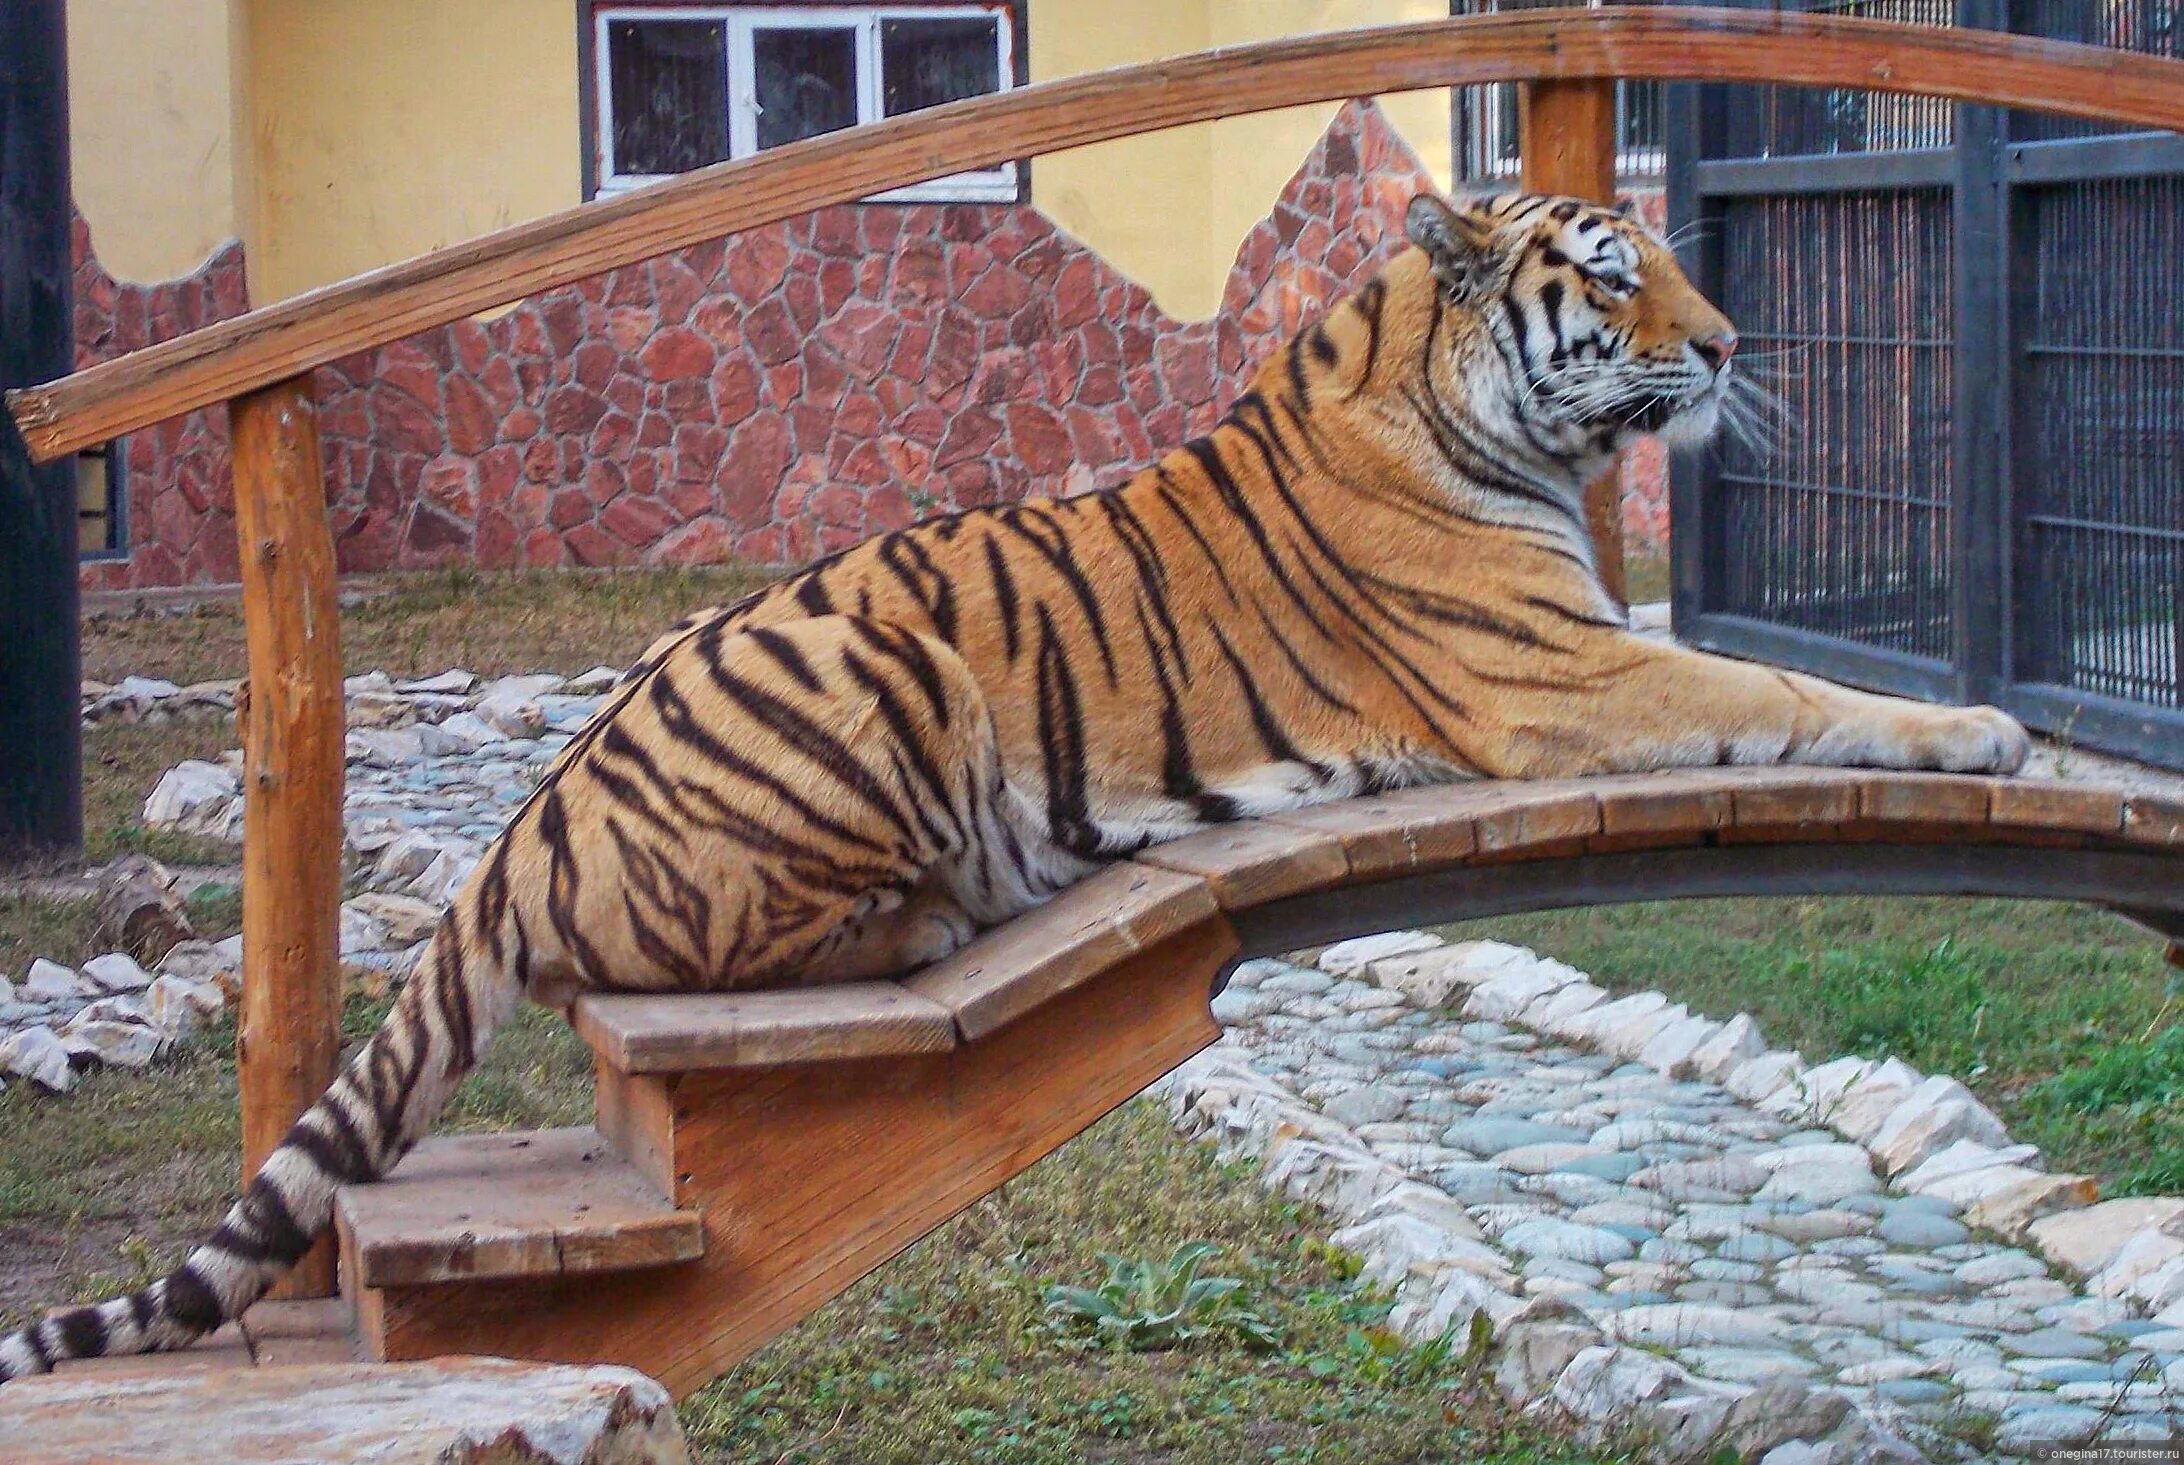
[181, 495]
[796, 389]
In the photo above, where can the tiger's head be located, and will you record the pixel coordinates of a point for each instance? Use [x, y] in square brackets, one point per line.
[1568, 327]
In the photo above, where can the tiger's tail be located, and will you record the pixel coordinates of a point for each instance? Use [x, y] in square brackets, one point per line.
[381, 1105]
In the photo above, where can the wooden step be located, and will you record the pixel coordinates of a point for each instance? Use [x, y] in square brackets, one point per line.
[543, 1204]
[676, 1034]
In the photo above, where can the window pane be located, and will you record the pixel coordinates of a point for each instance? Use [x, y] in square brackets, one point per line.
[926, 62]
[670, 85]
[806, 82]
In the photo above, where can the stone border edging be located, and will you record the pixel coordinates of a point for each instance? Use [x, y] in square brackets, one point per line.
[1928, 1134]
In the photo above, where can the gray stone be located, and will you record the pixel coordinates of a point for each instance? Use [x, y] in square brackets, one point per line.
[1493, 1136]
[1568, 1241]
[1901, 1227]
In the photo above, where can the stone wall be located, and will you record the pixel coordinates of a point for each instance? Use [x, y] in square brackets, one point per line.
[180, 496]
[787, 393]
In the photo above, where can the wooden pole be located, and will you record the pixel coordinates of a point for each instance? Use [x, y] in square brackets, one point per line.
[290, 1037]
[1567, 137]
[41, 739]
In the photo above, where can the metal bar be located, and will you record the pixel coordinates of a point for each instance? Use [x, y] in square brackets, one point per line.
[2094, 720]
[2143, 881]
[1849, 662]
[41, 737]
[1834, 490]
[2132, 531]
[1979, 538]
[1824, 173]
[2074, 159]
[2138, 353]
[1694, 130]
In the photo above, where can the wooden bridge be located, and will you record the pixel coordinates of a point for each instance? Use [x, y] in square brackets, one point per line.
[755, 1154]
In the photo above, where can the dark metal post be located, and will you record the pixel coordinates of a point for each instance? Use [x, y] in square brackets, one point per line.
[1695, 126]
[1980, 478]
[41, 773]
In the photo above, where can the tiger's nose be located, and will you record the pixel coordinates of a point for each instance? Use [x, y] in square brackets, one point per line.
[1715, 351]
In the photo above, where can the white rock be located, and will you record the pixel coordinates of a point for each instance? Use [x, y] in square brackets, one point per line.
[407, 920]
[2137, 1259]
[37, 1054]
[407, 856]
[1506, 994]
[2088, 1240]
[1670, 1049]
[1612, 1383]
[1798, 1452]
[194, 797]
[1395, 1245]
[522, 688]
[592, 683]
[108, 1009]
[455, 681]
[1962, 1158]
[1428, 1308]
[1970, 1187]
[1628, 1039]
[444, 876]
[198, 962]
[1819, 1089]
[1867, 1105]
[1821, 1154]
[1595, 1024]
[511, 717]
[1551, 1012]
[116, 971]
[1756, 1079]
[367, 683]
[1429, 977]
[1345, 957]
[383, 747]
[1715, 1059]
[178, 1006]
[121, 1044]
[7, 992]
[361, 931]
[49, 981]
[1933, 1116]
[465, 732]
[1689, 1325]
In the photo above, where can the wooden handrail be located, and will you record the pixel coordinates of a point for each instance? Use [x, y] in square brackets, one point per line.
[270, 345]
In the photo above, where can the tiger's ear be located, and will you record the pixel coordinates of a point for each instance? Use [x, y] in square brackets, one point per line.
[1459, 245]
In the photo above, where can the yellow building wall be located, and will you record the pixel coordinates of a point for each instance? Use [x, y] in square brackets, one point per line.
[1170, 209]
[150, 108]
[385, 128]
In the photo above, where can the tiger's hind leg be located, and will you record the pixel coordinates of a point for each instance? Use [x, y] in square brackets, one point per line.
[817, 801]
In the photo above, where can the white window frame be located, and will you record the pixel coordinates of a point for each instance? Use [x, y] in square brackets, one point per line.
[1000, 184]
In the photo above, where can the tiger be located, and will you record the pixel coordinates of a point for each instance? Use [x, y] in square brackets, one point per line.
[1373, 572]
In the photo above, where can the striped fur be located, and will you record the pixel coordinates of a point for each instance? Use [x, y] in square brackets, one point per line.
[1372, 573]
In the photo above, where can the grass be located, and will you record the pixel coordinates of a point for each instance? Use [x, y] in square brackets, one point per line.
[415, 625]
[946, 1354]
[1646, 576]
[2063, 1018]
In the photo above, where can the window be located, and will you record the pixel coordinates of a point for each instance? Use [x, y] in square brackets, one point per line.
[1485, 117]
[102, 531]
[679, 87]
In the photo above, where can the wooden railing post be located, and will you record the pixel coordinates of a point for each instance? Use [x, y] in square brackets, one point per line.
[1567, 138]
[293, 728]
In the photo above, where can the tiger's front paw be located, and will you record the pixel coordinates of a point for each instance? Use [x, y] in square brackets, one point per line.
[1970, 740]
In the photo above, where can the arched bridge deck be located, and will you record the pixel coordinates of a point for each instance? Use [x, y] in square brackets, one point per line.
[801, 1138]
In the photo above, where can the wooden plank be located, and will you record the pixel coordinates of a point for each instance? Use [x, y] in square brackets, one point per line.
[287, 1334]
[1254, 862]
[1566, 144]
[289, 1035]
[669, 1034]
[1928, 799]
[2037, 804]
[1524, 819]
[1797, 803]
[1399, 833]
[1088, 928]
[1648, 804]
[385, 305]
[2149, 819]
[548, 1203]
[809, 1177]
